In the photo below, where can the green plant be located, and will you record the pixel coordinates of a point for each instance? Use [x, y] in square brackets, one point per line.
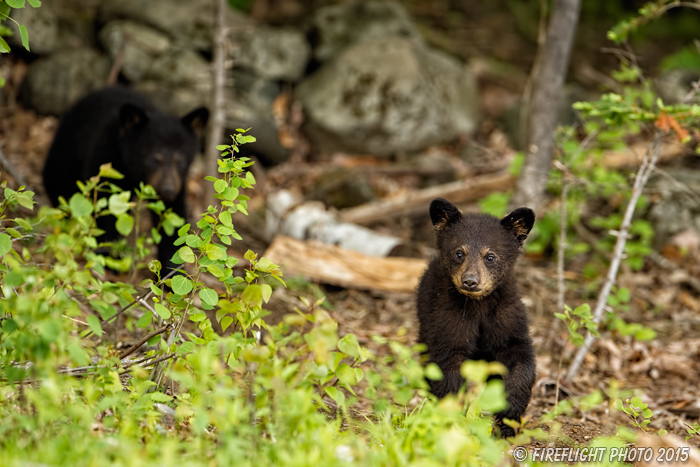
[638, 412]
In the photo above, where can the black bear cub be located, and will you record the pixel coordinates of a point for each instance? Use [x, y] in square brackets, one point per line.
[468, 303]
[120, 126]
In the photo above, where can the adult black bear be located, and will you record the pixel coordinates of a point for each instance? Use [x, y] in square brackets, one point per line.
[468, 303]
[120, 126]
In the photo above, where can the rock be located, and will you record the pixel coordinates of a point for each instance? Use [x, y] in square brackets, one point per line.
[56, 25]
[391, 97]
[272, 53]
[339, 26]
[184, 21]
[675, 85]
[343, 188]
[54, 83]
[42, 27]
[140, 46]
[174, 99]
[249, 105]
[673, 210]
[181, 66]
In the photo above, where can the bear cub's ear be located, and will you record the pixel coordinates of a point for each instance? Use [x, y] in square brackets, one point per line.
[443, 213]
[131, 116]
[196, 121]
[519, 222]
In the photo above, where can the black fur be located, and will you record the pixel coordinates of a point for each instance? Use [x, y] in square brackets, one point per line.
[468, 304]
[120, 126]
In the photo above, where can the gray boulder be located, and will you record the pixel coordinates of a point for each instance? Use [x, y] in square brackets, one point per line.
[139, 45]
[339, 26]
[390, 95]
[272, 53]
[42, 27]
[673, 209]
[184, 21]
[56, 26]
[54, 83]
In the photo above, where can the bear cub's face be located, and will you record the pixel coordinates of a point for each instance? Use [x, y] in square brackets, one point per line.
[478, 250]
[159, 150]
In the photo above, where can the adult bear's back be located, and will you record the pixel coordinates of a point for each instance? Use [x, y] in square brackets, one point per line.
[90, 127]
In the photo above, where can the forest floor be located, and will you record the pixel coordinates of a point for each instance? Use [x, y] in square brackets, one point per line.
[664, 372]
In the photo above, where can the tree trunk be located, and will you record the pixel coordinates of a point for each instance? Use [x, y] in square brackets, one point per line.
[216, 122]
[548, 74]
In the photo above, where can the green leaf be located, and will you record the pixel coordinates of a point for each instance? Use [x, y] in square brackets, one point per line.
[4, 13]
[107, 171]
[35, 3]
[5, 244]
[78, 354]
[252, 295]
[349, 345]
[145, 320]
[433, 371]
[335, 394]
[186, 347]
[226, 322]
[23, 223]
[162, 311]
[15, 3]
[265, 265]
[266, 292]
[4, 48]
[119, 203]
[186, 254]
[80, 206]
[645, 334]
[225, 219]
[124, 224]
[181, 285]
[209, 296]
[94, 324]
[24, 36]
[220, 185]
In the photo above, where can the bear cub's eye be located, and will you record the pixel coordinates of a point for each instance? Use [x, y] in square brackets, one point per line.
[490, 258]
[459, 254]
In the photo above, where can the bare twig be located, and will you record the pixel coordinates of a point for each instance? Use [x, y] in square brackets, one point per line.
[562, 244]
[648, 166]
[7, 165]
[136, 300]
[145, 339]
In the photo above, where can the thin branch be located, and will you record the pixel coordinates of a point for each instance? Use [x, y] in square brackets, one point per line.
[145, 339]
[136, 300]
[4, 162]
[562, 244]
[648, 165]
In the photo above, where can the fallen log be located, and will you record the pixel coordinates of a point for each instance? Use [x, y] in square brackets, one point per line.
[287, 215]
[476, 187]
[413, 202]
[338, 266]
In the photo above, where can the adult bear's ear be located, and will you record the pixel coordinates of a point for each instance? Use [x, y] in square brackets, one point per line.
[196, 121]
[443, 213]
[519, 222]
[132, 116]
